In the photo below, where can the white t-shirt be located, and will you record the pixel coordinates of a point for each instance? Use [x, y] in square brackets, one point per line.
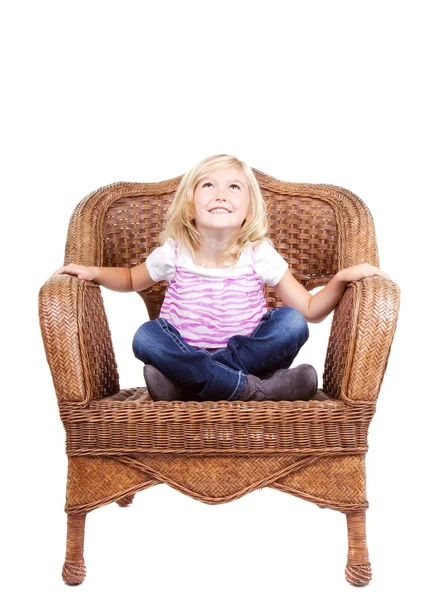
[268, 263]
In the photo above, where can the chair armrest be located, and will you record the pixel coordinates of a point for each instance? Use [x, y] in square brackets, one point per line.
[77, 340]
[361, 336]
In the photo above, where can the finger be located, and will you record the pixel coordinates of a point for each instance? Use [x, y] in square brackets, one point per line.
[382, 273]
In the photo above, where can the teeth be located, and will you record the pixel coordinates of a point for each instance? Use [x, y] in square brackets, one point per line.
[221, 211]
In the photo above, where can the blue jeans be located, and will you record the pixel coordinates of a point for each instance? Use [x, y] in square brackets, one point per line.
[221, 374]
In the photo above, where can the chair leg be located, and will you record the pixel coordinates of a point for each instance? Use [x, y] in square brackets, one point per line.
[358, 570]
[74, 571]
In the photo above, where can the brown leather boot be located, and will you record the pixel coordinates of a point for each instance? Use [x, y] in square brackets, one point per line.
[284, 384]
[160, 387]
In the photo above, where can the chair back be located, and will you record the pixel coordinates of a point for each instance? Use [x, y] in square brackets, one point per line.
[318, 229]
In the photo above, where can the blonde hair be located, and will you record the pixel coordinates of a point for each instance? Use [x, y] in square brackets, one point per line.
[179, 222]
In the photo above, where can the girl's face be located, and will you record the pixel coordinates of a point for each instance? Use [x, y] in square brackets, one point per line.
[221, 200]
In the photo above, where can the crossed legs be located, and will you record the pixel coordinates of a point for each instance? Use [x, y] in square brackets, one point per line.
[273, 345]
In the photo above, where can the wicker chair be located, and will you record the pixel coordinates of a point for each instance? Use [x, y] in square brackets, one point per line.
[120, 442]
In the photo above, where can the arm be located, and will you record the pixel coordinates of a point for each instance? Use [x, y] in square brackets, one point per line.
[119, 279]
[316, 307]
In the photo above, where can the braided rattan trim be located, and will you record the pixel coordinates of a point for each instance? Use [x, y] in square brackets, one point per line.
[73, 573]
[359, 575]
[322, 503]
[121, 451]
[219, 475]
[82, 509]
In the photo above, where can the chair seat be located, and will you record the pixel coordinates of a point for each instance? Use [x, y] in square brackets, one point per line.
[130, 421]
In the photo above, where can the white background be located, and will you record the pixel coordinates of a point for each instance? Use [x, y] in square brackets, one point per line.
[318, 92]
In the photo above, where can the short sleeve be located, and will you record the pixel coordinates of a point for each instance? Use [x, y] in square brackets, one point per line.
[269, 264]
[161, 262]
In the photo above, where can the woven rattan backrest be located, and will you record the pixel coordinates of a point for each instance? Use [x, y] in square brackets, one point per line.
[318, 229]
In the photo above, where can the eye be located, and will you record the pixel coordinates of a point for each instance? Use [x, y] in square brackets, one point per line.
[207, 183]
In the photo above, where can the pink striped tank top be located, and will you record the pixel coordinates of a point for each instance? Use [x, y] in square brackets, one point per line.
[208, 311]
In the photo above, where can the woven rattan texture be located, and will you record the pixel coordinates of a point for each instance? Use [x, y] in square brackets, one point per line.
[358, 570]
[375, 324]
[119, 225]
[74, 570]
[97, 344]
[337, 482]
[58, 314]
[120, 442]
[304, 231]
[132, 226]
[77, 340]
[93, 482]
[114, 427]
[339, 344]
[362, 333]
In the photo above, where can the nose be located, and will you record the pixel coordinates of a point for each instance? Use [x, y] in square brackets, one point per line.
[220, 195]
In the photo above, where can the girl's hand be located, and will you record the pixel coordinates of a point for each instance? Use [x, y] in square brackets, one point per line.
[359, 272]
[83, 273]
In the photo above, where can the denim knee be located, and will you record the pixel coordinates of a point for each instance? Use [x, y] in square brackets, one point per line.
[142, 341]
[293, 320]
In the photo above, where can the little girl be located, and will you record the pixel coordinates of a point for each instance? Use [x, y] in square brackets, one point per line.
[215, 339]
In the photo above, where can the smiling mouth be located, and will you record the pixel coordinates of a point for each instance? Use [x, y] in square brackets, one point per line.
[220, 211]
